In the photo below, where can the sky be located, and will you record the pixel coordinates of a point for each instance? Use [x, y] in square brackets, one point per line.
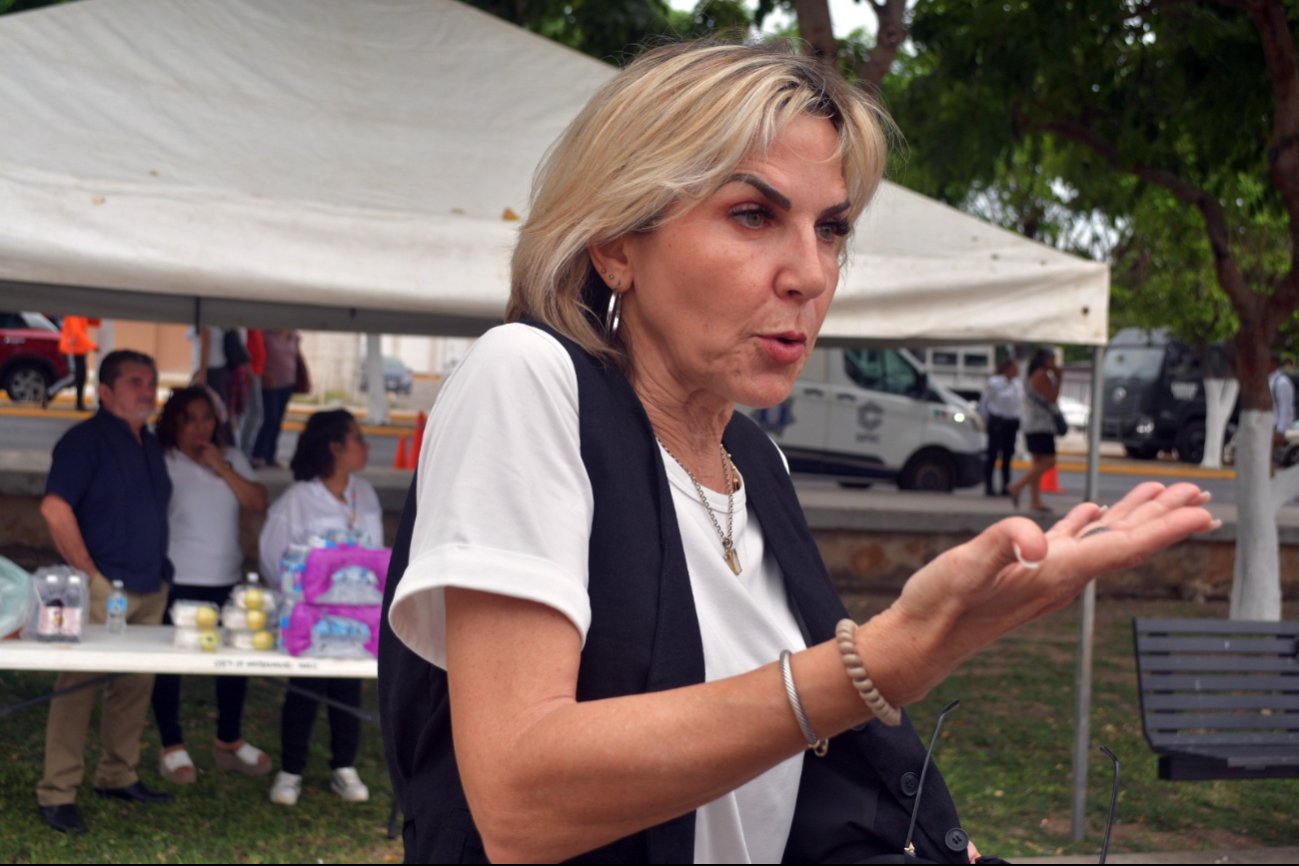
[845, 15]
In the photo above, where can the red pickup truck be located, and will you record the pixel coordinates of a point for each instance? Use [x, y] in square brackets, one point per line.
[30, 363]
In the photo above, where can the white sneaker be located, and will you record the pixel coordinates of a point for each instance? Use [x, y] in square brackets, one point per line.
[347, 784]
[286, 789]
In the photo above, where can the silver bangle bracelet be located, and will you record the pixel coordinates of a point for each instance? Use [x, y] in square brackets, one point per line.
[818, 746]
[882, 709]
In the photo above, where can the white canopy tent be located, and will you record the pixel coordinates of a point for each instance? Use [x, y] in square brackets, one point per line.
[329, 164]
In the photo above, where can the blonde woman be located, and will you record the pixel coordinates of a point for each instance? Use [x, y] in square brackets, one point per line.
[611, 634]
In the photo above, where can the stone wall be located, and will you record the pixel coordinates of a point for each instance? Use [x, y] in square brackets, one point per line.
[864, 561]
[859, 559]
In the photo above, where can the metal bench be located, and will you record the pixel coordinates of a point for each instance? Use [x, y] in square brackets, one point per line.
[1220, 698]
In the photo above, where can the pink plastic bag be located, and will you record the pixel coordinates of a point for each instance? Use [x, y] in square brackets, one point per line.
[345, 575]
[333, 631]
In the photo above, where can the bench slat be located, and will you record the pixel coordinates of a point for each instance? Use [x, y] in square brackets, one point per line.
[1210, 684]
[1220, 664]
[1182, 741]
[1215, 701]
[1216, 626]
[1196, 644]
[1228, 720]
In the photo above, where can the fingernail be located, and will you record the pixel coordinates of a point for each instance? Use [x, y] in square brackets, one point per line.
[1215, 524]
[1205, 496]
[1019, 554]
[1104, 508]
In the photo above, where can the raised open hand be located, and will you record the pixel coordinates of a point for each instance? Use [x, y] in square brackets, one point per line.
[1013, 572]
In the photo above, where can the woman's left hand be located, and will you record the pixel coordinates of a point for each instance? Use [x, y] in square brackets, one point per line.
[1013, 572]
[212, 457]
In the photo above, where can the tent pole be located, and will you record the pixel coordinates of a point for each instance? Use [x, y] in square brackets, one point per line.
[377, 410]
[1087, 620]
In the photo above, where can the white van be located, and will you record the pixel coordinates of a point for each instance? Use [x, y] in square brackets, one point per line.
[863, 415]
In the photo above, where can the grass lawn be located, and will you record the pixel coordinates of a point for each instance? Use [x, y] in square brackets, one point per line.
[1006, 753]
[225, 818]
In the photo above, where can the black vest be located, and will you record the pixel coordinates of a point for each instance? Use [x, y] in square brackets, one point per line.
[644, 636]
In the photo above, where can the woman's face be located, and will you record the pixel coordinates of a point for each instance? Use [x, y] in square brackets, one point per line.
[352, 453]
[727, 298]
[197, 423]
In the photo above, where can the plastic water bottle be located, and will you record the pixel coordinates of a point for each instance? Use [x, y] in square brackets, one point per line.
[49, 626]
[116, 609]
[73, 607]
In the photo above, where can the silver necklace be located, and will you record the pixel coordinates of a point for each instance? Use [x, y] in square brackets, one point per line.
[728, 545]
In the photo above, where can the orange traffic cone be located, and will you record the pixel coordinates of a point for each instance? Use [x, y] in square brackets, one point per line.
[1051, 481]
[399, 459]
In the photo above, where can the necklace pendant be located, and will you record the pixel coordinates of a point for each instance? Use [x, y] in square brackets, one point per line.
[733, 560]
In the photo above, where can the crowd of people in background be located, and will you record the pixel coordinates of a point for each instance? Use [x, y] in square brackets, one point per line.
[159, 513]
[253, 372]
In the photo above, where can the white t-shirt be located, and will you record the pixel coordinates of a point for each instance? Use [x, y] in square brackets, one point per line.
[307, 508]
[216, 349]
[505, 506]
[1002, 398]
[203, 521]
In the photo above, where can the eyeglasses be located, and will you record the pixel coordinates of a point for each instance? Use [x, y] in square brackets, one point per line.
[910, 848]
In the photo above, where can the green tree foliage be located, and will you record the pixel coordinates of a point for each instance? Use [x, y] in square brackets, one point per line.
[1161, 115]
[617, 30]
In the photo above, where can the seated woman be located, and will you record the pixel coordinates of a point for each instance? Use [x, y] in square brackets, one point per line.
[326, 495]
[210, 482]
[610, 633]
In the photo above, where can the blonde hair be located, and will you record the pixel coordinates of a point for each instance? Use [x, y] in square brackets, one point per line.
[670, 128]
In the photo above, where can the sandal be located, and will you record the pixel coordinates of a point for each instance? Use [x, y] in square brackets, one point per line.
[244, 758]
[176, 767]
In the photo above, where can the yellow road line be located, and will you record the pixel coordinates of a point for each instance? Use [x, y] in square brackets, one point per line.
[13, 411]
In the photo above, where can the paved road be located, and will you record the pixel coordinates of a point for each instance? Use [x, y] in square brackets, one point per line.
[26, 429]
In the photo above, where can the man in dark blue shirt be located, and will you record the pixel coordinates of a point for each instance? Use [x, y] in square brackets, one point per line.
[106, 508]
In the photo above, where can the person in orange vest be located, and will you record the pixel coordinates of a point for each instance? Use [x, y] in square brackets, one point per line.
[75, 342]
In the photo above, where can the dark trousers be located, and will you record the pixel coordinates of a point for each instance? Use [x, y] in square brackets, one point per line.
[230, 691]
[79, 379]
[274, 403]
[299, 715]
[1001, 443]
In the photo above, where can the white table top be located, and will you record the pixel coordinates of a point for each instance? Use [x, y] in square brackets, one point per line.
[148, 649]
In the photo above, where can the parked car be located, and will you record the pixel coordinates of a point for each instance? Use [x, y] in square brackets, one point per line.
[1076, 413]
[865, 415]
[396, 376]
[1154, 396]
[30, 362]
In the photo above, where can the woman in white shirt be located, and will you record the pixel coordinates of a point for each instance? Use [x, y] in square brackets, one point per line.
[595, 642]
[211, 482]
[326, 495]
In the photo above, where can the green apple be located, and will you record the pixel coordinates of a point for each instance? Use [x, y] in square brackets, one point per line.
[208, 640]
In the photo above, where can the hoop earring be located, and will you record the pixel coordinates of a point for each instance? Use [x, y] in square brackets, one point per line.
[613, 316]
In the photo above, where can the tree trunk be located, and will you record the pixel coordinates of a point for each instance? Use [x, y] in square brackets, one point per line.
[1256, 589]
[891, 32]
[815, 29]
[1219, 397]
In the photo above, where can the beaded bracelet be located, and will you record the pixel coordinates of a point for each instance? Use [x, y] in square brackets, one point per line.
[818, 746]
[883, 710]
